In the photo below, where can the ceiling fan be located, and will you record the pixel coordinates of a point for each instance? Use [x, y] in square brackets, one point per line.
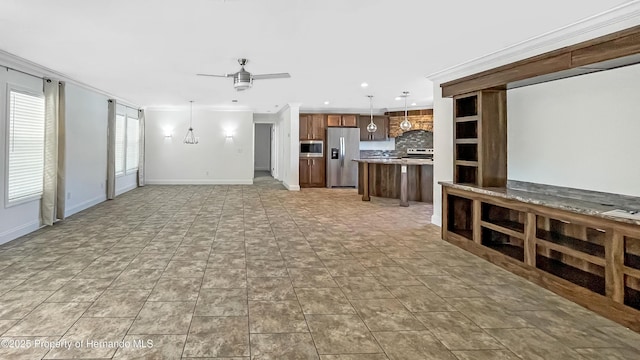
[243, 80]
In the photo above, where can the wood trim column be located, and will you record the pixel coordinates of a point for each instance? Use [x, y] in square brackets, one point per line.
[444, 217]
[530, 239]
[365, 182]
[614, 269]
[404, 196]
[476, 221]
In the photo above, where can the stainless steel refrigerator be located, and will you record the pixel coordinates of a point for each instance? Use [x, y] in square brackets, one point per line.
[343, 145]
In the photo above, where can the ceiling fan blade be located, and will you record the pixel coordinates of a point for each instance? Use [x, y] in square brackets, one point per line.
[271, 76]
[214, 75]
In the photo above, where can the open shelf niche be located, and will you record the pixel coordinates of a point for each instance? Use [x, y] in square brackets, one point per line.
[480, 138]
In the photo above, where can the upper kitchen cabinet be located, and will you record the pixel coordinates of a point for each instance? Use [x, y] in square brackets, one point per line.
[382, 131]
[350, 120]
[312, 127]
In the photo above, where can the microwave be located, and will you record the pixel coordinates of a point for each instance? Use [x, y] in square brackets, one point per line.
[311, 148]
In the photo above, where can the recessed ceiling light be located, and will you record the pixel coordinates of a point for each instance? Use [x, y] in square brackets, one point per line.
[398, 98]
[326, 103]
[364, 84]
[413, 104]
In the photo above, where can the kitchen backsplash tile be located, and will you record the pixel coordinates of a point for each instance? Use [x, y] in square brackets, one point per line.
[414, 139]
[409, 139]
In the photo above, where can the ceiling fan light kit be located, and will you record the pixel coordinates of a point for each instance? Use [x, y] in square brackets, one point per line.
[243, 80]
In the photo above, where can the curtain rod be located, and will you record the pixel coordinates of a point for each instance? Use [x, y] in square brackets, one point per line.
[22, 72]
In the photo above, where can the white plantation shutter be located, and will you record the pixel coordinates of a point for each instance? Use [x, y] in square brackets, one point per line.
[133, 140]
[26, 146]
[120, 132]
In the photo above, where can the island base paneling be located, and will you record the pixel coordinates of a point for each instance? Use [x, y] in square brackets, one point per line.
[384, 181]
[592, 261]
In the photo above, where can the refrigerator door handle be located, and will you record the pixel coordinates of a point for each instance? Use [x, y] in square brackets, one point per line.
[342, 146]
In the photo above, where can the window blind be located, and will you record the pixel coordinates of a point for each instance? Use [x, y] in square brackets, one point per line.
[133, 139]
[120, 137]
[26, 146]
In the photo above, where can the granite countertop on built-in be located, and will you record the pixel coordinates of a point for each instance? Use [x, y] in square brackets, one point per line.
[394, 161]
[575, 200]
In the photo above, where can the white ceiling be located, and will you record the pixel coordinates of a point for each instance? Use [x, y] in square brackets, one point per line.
[149, 54]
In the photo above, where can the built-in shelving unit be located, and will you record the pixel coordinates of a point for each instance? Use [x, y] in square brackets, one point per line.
[588, 259]
[570, 253]
[480, 118]
[631, 270]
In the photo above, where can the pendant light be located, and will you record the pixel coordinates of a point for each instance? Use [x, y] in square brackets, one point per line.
[405, 125]
[371, 127]
[190, 138]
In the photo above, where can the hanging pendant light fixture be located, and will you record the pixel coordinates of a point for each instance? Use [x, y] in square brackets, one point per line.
[405, 125]
[371, 127]
[190, 138]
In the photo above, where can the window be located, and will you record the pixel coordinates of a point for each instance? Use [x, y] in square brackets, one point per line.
[127, 141]
[26, 146]
[120, 136]
[133, 141]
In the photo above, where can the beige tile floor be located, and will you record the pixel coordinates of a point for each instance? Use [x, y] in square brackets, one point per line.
[239, 272]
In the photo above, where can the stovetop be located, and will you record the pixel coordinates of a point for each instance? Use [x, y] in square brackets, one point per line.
[419, 153]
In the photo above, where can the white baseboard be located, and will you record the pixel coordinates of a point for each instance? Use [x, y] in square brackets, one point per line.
[436, 220]
[85, 205]
[18, 231]
[291, 187]
[199, 182]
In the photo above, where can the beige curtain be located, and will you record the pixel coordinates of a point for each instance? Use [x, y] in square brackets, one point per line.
[111, 150]
[62, 141]
[48, 202]
[141, 152]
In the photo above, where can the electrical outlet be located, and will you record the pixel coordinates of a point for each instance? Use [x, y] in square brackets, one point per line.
[69, 196]
[207, 173]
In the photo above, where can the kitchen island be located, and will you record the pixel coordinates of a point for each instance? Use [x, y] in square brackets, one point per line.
[404, 179]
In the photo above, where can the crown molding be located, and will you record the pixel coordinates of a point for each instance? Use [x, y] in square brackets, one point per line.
[14, 62]
[220, 108]
[616, 19]
[362, 111]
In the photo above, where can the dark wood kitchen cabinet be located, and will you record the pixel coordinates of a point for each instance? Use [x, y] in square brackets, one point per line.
[349, 120]
[382, 131]
[312, 172]
[312, 127]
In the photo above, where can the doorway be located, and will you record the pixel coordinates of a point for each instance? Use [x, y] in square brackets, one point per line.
[262, 159]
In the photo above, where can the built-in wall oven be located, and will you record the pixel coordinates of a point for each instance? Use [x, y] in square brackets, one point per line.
[311, 148]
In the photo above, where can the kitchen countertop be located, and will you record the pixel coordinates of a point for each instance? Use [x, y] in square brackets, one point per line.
[584, 206]
[395, 161]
